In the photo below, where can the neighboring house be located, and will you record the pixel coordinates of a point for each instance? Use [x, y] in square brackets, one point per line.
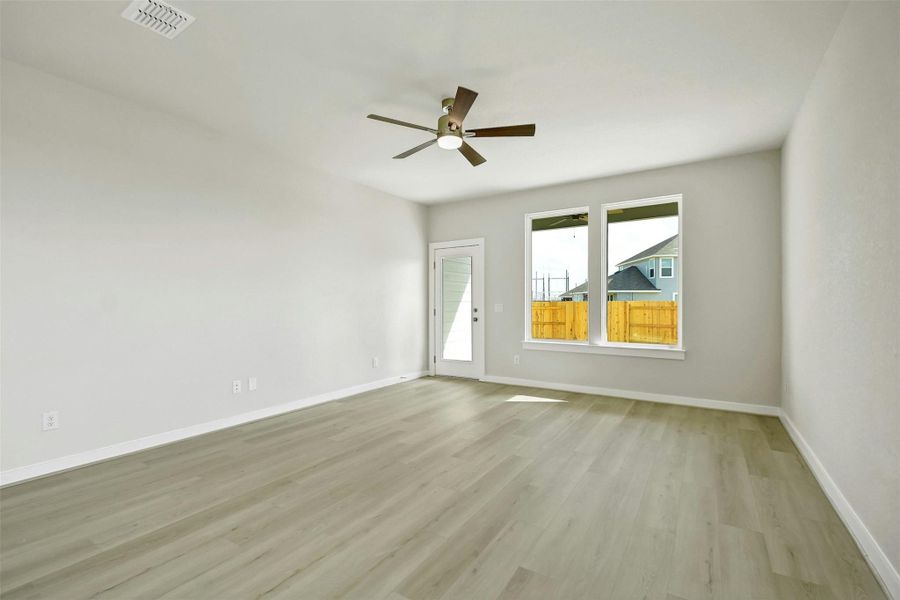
[579, 293]
[648, 275]
[630, 283]
[657, 265]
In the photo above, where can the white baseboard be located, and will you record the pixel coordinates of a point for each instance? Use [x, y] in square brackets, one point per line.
[72, 461]
[874, 555]
[755, 409]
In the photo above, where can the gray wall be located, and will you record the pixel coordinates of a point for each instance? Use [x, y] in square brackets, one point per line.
[146, 263]
[732, 324]
[841, 221]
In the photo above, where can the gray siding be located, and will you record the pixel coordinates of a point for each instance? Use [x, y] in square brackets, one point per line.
[621, 296]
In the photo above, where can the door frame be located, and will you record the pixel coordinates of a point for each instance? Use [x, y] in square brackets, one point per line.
[477, 301]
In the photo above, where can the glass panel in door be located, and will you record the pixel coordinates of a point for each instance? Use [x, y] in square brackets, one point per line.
[456, 303]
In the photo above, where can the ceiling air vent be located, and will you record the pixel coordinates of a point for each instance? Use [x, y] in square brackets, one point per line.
[157, 16]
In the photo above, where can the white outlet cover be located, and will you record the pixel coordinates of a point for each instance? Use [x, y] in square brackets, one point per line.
[236, 386]
[375, 362]
[251, 384]
[515, 359]
[50, 420]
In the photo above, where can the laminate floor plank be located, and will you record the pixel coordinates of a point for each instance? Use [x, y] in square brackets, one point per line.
[443, 489]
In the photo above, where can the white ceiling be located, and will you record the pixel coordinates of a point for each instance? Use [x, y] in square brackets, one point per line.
[613, 87]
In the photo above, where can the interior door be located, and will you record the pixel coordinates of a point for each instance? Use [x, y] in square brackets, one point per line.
[458, 311]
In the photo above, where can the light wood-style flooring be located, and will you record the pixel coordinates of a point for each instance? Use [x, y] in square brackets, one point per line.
[443, 489]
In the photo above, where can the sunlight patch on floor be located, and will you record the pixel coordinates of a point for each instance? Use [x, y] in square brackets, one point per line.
[521, 398]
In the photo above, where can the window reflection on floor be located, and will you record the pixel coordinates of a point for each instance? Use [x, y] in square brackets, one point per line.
[521, 398]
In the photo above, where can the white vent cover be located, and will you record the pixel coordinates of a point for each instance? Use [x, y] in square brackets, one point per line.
[158, 16]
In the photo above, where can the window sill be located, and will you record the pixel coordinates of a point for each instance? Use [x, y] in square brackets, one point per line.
[640, 350]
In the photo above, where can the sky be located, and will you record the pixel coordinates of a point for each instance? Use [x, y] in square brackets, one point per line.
[628, 238]
[555, 250]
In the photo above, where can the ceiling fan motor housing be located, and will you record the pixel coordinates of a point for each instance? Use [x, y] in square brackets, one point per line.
[444, 127]
[446, 105]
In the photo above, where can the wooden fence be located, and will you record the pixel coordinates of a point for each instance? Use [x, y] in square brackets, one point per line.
[559, 320]
[642, 322]
[637, 322]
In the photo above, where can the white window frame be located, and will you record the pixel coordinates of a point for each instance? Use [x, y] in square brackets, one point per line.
[652, 269]
[661, 259]
[528, 274]
[598, 342]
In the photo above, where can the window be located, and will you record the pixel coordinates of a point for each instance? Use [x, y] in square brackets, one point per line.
[558, 274]
[636, 234]
[632, 262]
[666, 267]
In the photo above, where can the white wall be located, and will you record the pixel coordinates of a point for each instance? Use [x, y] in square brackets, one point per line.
[146, 263]
[841, 225]
[732, 310]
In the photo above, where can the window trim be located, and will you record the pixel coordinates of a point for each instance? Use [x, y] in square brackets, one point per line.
[672, 258]
[610, 348]
[529, 217]
[652, 269]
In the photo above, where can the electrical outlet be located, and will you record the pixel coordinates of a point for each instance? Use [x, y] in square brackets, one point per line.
[375, 362]
[251, 384]
[515, 359]
[51, 420]
[236, 386]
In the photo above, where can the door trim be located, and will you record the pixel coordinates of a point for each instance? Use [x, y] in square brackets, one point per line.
[478, 299]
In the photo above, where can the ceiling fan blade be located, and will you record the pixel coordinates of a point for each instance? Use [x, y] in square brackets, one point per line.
[507, 131]
[416, 149]
[470, 154]
[581, 217]
[461, 105]
[402, 123]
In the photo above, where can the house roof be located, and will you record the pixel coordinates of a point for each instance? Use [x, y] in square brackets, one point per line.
[578, 289]
[666, 247]
[630, 279]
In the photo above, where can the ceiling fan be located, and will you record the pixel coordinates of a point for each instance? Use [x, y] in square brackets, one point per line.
[450, 134]
[573, 219]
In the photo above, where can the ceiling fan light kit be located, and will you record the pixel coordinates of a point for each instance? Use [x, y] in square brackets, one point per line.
[447, 138]
[450, 134]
